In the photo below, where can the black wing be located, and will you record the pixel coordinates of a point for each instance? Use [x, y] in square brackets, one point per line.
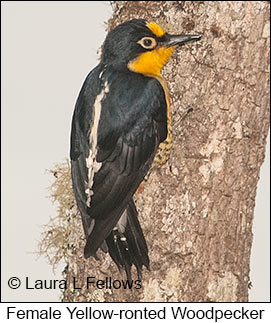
[132, 123]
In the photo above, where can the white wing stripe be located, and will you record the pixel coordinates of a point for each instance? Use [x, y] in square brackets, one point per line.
[91, 162]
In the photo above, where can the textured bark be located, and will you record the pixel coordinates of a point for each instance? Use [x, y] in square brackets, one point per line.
[197, 210]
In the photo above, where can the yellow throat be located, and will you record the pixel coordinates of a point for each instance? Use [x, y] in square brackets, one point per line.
[150, 63]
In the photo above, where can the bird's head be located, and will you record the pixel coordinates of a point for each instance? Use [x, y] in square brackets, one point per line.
[144, 47]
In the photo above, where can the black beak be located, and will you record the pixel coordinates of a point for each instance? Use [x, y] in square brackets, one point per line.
[172, 40]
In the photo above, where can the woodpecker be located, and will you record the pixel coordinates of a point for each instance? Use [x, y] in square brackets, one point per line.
[121, 121]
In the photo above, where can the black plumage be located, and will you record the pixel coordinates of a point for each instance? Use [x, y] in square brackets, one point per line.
[120, 118]
[131, 126]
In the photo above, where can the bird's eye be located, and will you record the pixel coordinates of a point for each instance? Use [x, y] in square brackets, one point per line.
[147, 42]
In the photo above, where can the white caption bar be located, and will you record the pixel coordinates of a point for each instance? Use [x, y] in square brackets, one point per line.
[131, 312]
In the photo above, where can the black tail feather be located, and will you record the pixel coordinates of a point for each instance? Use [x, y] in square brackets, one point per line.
[128, 247]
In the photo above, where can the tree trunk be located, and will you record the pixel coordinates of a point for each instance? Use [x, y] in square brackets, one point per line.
[197, 210]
